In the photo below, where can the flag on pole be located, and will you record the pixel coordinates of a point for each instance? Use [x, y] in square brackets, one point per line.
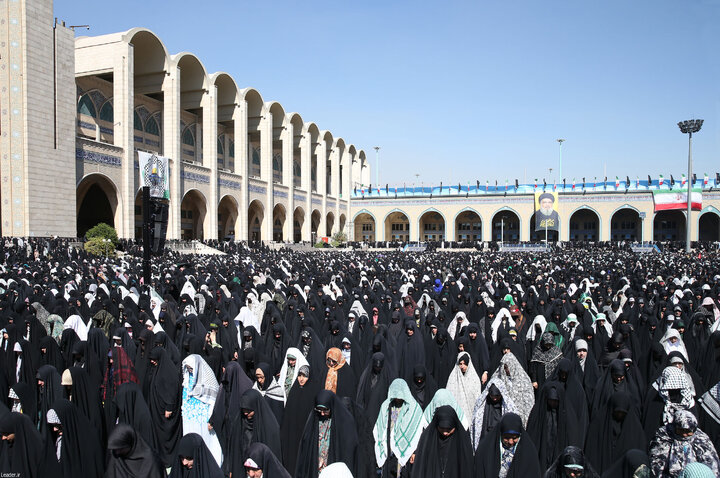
[617, 182]
[705, 180]
[554, 185]
[536, 182]
[684, 179]
[506, 185]
[660, 182]
[595, 182]
[487, 185]
[637, 182]
[573, 188]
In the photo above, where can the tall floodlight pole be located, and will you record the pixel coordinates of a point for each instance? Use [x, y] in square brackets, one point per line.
[560, 142]
[689, 127]
[377, 165]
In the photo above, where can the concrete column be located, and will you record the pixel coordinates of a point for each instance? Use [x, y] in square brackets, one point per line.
[335, 160]
[124, 104]
[306, 152]
[266, 173]
[605, 229]
[414, 225]
[347, 194]
[322, 154]
[486, 228]
[210, 135]
[524, 228]
[241, 167]
[694, 222]
[172, 148]
[450, 229]
[288, 137]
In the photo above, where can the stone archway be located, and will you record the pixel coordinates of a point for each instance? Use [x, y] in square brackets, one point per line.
[256, 216]
[506, 223]
[626, 225]
[192, 215]
[97, 201]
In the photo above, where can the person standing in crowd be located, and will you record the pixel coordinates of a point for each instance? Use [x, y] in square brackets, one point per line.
[614, 342]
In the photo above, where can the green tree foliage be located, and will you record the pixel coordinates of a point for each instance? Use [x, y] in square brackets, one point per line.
[338, 238]
[98, 246]
[102, 231]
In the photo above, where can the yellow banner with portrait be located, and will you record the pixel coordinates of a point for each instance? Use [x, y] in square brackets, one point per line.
[546, 214]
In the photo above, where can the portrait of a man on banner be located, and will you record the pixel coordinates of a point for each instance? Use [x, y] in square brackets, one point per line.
[546, 215]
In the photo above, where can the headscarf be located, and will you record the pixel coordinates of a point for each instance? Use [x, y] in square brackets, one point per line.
[678, 346]
[137, 459]
[478, 416]
[518, 385]
[331, 379]
[670, 453]
[300, 360]
[261, 457]
[405, 435]
[465, 387]
[441, 398]
[206, 385]
[204, 465]
[550, 357]
[672, 378]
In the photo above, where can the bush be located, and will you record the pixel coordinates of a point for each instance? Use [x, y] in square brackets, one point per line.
[338, 238]
[98, 246]
[102, 231]
[320, 245]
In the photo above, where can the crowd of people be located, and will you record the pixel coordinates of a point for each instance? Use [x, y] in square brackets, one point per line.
[590, 362]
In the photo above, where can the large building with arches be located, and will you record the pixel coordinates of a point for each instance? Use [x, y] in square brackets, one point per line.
[606, 212]
[75, 112]
[240, 166]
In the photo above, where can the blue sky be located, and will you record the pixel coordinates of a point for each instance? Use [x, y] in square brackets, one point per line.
[460, 90]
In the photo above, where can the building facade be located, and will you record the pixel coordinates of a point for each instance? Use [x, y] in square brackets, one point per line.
[75, 112]
[240, 167]
[593, 213]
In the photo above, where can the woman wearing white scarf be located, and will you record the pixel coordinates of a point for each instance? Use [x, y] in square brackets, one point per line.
[200, 389]
[672, 342]
[300, 361]
[464, 384]
[76, 323]
[502, 314]
[454, 328]
[533, 332]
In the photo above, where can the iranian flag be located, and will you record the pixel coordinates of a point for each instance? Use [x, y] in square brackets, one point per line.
[676, 199]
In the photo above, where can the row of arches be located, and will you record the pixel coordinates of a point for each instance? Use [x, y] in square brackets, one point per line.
[97, 201]
[215, 123]
[584, 225]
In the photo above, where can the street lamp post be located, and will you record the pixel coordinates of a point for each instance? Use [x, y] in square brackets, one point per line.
[560, 142]
[377, 165]
[689, 127]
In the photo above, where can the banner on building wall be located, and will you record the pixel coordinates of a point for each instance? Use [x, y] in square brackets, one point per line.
[668, 200]
[155, 174]
[546, 215]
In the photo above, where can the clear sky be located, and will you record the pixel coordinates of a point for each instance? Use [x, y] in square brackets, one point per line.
[465, 90]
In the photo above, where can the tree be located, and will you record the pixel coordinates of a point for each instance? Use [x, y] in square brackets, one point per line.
[98, 246]
[101, 240]
[102, 231]
[338, 238]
